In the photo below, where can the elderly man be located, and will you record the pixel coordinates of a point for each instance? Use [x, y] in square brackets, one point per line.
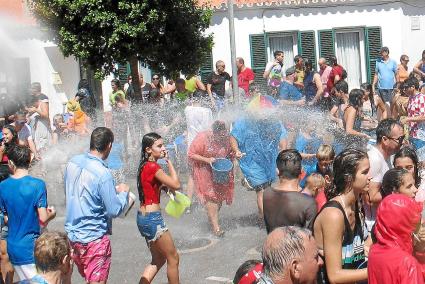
[290, 255]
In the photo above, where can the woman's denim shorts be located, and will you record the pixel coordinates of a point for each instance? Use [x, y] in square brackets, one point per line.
[151, 225]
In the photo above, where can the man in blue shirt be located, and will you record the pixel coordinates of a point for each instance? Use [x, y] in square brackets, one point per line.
[385, 71]
[23, 199]
[92, 200]
[288, 93]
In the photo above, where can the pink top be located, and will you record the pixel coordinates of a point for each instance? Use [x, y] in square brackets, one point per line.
[324, 76]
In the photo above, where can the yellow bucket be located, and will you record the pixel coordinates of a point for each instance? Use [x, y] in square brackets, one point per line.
[177, 204]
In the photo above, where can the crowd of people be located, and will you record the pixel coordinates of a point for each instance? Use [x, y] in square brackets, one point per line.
[336, 172]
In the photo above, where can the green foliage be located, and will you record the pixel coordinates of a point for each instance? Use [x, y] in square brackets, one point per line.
[169, 35]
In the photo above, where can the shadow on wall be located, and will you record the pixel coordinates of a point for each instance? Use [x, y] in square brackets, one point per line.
[282, 10]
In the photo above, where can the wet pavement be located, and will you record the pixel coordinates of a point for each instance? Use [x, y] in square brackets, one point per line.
[203, 257]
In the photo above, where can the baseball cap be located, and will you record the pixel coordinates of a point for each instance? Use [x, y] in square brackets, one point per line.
[290, 71]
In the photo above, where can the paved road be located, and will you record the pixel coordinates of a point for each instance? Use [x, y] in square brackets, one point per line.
[220, 258]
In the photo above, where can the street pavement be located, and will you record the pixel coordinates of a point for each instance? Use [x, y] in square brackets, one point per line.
[203, 257]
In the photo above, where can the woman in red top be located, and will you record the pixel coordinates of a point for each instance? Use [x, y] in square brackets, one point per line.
[151, 178]
[10, 137]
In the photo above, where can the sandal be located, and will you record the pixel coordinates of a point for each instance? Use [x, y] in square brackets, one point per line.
[245, 183]
[219, 233]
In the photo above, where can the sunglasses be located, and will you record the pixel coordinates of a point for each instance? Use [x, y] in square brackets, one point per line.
[399, 140]
[21, 122]
[155, 78]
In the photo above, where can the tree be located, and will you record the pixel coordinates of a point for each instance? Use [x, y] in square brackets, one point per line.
[168, 35]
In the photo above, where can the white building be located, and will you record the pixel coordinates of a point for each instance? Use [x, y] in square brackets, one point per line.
[353, 30]
[26, 57]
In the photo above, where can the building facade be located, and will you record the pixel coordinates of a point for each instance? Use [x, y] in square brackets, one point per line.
[353, 30]
[27, 56]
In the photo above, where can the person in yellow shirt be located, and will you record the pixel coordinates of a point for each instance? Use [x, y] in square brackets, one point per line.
[299, 72]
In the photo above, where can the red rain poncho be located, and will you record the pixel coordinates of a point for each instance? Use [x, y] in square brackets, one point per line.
[390, 258]
[206, 190]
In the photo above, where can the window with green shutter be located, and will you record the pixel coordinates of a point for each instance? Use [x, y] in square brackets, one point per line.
[258, 59]
[307, 46]
[373, 46]
[123, 72]
[206, 67]
[326, 43]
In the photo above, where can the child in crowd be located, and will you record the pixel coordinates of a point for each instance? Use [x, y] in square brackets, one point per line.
[314, 184]
[325, 155]
[249, 272]
[79, 122]
[23, 199]
[53, 259]
[61, 130]
[307, 144]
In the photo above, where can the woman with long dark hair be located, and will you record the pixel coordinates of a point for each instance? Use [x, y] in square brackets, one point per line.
[150, 180]
[373, 109]
[398, 180]
[407, 159]
[353, 113]
[339, 228]
[9, 138]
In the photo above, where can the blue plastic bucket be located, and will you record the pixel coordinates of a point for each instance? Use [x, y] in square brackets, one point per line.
[220, 170]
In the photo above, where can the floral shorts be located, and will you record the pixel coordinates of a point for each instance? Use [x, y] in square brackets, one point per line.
[93, 259]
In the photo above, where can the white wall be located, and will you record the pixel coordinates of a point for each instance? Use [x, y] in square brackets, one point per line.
[45, 59]
[21, 40]
[395, 26]
[413, 41]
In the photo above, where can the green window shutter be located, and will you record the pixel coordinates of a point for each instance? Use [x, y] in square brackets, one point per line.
[373, 42]
[206, 67]
[307, 46]
[258, 60]
[326, 43]
[123, 72]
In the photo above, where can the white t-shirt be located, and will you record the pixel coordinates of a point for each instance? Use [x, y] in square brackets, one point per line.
[198, 119]
[277, 73]
[378, 167]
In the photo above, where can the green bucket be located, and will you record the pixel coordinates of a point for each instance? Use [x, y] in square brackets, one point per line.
[177, 204]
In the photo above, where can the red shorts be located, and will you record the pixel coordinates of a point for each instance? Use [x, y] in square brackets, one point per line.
[93, 259]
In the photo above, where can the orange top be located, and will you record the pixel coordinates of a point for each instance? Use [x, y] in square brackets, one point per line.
[403, 74]
[79, 123]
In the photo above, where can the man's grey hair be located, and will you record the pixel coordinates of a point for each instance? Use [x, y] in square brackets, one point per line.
[283, 245]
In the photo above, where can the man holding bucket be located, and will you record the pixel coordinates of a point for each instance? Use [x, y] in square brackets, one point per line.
[210, 155]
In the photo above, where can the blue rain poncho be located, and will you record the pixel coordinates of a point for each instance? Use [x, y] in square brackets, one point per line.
[259, 140]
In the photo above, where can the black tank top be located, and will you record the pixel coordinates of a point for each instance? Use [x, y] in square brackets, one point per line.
[353, 256]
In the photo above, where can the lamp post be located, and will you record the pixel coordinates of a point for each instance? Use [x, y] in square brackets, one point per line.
[235, 86]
